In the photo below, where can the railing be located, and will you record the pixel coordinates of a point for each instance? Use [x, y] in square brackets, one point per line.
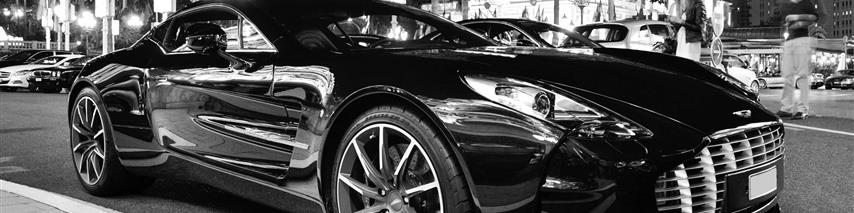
[6, 46]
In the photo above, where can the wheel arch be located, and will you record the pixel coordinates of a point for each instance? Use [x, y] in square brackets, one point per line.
[365, 99]
[78, 86]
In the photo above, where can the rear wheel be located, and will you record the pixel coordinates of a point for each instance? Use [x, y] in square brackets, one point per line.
[755, 86]
[93, 150]
[392, 161]
[763, 84]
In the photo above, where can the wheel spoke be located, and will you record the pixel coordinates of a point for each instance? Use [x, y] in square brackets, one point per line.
[365, 161]
[422, 188]
[371, 209]
[82, 163]
[92, 121]
[80, 116]
[81, 129]
[404, 159]
[98, 152]
[99, 133]
[358, 187]
[94, 165]
[83, 145]
[385, 167]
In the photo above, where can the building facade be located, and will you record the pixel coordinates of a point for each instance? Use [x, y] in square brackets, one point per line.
[842, 12]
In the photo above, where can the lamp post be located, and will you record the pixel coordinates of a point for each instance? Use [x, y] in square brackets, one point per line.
[581, 4]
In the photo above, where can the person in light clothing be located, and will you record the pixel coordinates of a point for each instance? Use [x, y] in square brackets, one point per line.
[795, 61]
[689, 16]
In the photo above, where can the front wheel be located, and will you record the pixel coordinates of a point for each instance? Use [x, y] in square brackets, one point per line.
[755, 86]
[392, 160]
[92, 149]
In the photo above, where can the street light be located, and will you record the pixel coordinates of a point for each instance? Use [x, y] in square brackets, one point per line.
[19, 13]
[134, 21]
[6, 12]
[87, 22]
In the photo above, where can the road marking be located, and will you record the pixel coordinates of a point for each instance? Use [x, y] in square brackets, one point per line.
[819, 129]
[61, 202]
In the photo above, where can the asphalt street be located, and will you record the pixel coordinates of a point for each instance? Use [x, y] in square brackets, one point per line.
[34, 151]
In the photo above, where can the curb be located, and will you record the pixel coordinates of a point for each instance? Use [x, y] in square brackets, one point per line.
[58, 201]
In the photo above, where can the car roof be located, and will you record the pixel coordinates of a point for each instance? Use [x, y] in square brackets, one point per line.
[629, 23]
[70, 55]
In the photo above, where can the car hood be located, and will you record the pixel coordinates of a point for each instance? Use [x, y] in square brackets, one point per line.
[24, 67]
[684, 92]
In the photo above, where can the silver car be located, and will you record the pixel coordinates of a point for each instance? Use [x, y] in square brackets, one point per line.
[629, 34]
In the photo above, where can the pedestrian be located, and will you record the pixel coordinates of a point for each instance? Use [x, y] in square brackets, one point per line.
[690, 17]
[795, 62]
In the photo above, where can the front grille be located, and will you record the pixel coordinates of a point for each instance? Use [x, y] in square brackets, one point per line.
[698, 185]
[4, 74]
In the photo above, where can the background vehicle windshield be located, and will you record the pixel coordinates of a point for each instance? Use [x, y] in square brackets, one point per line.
[558, 37]
[81, 61]
[20, 56]
[604, 33]
[49, 60]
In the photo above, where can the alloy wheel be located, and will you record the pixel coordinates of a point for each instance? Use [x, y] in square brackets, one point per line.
[385, 169]
[88, 140]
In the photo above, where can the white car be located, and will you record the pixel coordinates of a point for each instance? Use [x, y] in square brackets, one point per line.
[738, 69]
[628, 34]
[14, 77]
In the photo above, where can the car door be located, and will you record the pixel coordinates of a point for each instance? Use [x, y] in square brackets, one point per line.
[214, 109]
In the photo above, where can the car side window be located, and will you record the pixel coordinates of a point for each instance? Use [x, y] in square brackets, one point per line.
[659, 30]
[481, 28]
[40, 55]
[252, 38]
[643, 32]
[509, 36]
[174, 35]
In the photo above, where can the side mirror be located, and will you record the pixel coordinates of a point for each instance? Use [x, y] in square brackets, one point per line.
[206, 38]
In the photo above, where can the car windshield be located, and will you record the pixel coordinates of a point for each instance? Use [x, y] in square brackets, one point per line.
[557, 36]
[846, 72]
[380, 26]
[20, 56]
[604, 32]
[49, 60]
[734, 61]
[81, 61]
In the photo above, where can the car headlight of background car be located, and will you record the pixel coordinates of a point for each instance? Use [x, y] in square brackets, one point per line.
[23, 73]
[536, 101]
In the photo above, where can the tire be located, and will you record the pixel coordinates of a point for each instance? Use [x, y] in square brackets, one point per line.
[814, 87]
[763, 84]
[405, 136]
[755, 86]
[93, 149]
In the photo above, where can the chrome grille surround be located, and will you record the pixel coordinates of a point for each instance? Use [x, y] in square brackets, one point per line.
[698, 185]
[4, 74]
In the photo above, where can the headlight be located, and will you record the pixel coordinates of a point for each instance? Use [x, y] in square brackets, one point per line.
[848, 81]
[531, 99]
[22, 73]
[545, 104]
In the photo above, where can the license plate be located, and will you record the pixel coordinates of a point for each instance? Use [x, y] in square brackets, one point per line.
[38, 79]
[762, 183]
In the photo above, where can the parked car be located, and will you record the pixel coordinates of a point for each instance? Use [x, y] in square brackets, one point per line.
[843, 79]
[27, 56]
[629, 34]
[739, 69]
[816, 81]
[772, 81]
[54, 79]
[296, 114]
[15, 77]
[523, 32]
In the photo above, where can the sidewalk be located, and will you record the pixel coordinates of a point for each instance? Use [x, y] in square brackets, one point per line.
[10, 202]
[16, 198]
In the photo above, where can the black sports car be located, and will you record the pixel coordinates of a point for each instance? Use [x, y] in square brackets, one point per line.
[27, 56]
[843, 79]
[349, 106]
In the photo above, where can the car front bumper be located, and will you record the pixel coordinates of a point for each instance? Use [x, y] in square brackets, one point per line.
[14, 81]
